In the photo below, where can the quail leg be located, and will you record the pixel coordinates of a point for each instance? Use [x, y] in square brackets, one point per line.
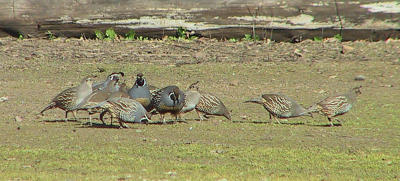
[66, 116]
[340, 122]
[122, 125]
[176, 118]
[90, 119]
[277, 120]
[162, 118]
[330, 121]
[102, 117]
[200, 117]
[74, 113]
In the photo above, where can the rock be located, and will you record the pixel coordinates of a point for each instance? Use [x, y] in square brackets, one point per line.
[234, 83]
[101, 69]
[359, 78]
[298, 53]
[18, 119]
[3, 99]
[170, 173]
[346, 49]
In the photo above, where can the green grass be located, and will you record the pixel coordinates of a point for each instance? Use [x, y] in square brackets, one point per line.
[99, 34]
[50, 35]
[108, 35]
[249, 37]
[366, 147]
[338, 37]
[318, 38]
[130, 35]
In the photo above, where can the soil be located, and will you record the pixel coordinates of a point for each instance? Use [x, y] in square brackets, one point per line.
[35, 70]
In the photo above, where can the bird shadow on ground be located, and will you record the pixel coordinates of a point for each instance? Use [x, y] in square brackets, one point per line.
[268, 122]
[327, 125]
[166, 122]
[59, 120]
[99, 125]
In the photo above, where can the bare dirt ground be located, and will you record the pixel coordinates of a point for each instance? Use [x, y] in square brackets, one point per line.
[249, 147]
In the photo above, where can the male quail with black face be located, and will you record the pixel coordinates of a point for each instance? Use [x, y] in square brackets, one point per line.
[140, 92]
[168, 100]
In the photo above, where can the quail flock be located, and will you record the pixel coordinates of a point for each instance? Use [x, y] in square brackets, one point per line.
[137, 104]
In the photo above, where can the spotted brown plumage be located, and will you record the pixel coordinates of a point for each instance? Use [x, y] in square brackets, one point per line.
[204, 103]
[336, 105]
[210, 104]
[70, 98]
[280, 106]
[125, 109]
[98, 96]
[169, 99]
[122, 92]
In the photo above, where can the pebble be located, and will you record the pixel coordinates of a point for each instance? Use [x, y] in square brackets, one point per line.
[18, 119]
[359, 78]
[3, 99]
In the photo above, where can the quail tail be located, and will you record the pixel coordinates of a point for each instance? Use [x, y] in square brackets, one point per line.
[227, 115]
[50, 106]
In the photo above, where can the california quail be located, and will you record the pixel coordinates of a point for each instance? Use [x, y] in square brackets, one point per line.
[126, 110]
[96, 97]
[103, 84]
[140, 92]
[336, 105]
[210, 104]
[192, 98]
[122, 92]
[70, 98]
[152, 88]
[203, 102]
[168, 100]
[280, 106]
